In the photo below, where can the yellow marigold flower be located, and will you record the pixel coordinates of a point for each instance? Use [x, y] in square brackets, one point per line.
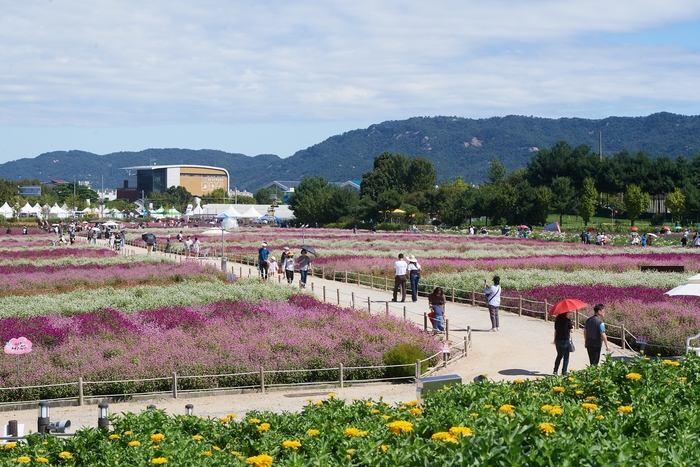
[384, 448]
[232, 415]
[624, 409]
[42, 460]
[254, 421]
[216, 448]
[11, 445]
[332, 395]
[291, 444]
[354, 432]
[374, 411]
[535, 394]
[646, 359]
[416, 411]
[443, 436]
[235, 453]
[159, 460]
[65, 455]
[546, 408]
[571, 378]
[595, 381]
[599, 417]
[197, 437]
[262, 460]
[588, 406]
[128, 432]
[157, 437]
[633, 376]
[313, 432]
[558, 389]
[207, 453]
[134, 444]
[114, 436]
[368, 404]
[461, 431]
[263, 427]
[386, 417]
[579, 392]
[506, 408]
[24, 460]
[350, 451]
[411, 403]
[310, 399]
[487, 406]
[473, 415]
[224, 419]
[546, 428]
[591, 398]
[556, 410]
[574, 386]
[518, 381]
[319, 403]
[400, 426]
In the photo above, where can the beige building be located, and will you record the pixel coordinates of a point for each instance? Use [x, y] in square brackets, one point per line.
[197, 179]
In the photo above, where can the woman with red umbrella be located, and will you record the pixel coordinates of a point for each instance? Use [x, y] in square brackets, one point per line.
[563, 326]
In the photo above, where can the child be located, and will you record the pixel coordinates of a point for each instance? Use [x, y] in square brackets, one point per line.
[272, 266]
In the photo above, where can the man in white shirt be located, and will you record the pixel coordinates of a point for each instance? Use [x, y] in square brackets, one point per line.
[400, 267]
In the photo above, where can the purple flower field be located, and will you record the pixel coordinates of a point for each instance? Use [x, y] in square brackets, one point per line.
[223, 337]
[23, 279]
[56, 252]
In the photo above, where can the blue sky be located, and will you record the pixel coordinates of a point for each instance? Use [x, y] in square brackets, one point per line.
[260, 77]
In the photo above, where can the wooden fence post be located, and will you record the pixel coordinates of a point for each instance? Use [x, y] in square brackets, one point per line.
[473, 298]
[417, 370]
[80, 391]
[453, 294]
[520, 305]
[387, 308]
[622, 332]
[346, 276]
[546, 307]
[369, 305]
[262, 380]
[324, 294]
[425, 321]
[174, 385]
[340, 368]
[447, 330]
[404, 313]
[338, 293]
[352, 299]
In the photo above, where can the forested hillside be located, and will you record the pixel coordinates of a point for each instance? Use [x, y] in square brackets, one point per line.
[456, 146]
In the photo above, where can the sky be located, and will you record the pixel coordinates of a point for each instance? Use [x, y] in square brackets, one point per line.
[274, 77]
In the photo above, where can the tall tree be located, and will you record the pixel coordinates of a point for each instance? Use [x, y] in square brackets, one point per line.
[587, 200]
[675, 203]
[636, 202]
[496, 173]
[563, 196]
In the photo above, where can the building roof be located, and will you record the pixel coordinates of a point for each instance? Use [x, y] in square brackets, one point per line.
[153, 167]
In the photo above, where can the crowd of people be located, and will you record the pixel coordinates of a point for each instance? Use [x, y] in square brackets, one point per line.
[268, 266]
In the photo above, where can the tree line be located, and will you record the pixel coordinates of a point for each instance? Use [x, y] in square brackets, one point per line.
[559, 180]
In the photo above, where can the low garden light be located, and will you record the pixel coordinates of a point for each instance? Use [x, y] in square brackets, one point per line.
[103, 415]
[189, 409]
[44, 420]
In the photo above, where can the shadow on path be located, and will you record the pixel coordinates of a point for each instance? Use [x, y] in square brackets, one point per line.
[521, 372]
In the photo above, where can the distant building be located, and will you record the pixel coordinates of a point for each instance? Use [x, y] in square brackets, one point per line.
[199, 180]
[287, 187]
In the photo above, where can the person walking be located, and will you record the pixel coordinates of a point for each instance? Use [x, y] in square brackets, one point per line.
[400, 267]
[196, 247]
[562, 339]
[493, 301]
[288, 266]
[594, 334]
[304, 267]
[436, 303]
[188, 246]
[168, 244]
[263, 265]
[414, 276]
[272, 267]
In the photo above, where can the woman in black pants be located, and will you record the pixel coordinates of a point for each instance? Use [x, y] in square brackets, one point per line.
[562, 336]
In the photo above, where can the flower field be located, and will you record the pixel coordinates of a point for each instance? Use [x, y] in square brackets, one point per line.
[641, 412]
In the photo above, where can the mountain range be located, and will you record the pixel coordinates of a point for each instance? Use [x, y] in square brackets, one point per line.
[456, 146]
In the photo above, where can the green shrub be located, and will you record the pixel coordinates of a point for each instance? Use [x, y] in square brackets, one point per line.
[404, 354]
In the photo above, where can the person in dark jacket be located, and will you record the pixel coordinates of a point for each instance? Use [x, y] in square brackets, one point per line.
[594, 334]
[562, 338]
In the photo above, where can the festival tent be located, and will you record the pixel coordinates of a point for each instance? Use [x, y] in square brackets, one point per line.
[251, 213]
[29, 211]
[172, 212]
[55, 211]
[6, 210]
[231, 212]
[553, 227]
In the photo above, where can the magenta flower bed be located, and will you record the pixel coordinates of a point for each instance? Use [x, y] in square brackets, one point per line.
[568, 263]
[644, 311]
[26, 278]
[57, 252]
[222, 337]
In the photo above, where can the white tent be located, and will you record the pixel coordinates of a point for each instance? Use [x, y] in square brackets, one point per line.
[230, 212]
[6, 210]
[251, 213]
[55, 211]
[28, 211]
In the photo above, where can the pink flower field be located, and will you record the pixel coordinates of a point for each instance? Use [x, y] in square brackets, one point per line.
[223, 337]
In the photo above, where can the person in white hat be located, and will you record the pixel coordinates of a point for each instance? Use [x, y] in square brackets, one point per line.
[413, 275]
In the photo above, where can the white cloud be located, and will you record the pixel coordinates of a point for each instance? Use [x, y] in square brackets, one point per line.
[117, 63]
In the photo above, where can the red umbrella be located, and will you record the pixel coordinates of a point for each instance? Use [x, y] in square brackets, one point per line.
[633, 229]
[566, 305]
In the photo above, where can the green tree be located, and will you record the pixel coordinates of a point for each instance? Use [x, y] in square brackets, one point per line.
[454, 201]
[636, 202]
[308, 202]
[388, 201]
[497, 172]
[543, 202]
[675, 203]
[399, 173]
[179, 197]
[563, 196]
[587, 200]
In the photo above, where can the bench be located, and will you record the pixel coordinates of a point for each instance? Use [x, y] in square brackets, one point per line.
[663, 268]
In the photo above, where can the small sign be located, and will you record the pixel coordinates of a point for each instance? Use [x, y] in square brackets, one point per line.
[18, 346]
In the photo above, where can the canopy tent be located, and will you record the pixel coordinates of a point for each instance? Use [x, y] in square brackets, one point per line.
[56, 211]
[270, 217]
[172, 212]
[251, 213]
[690, 287]
[7, 211]
[553, 227]
[230, 212]
[28, 210]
